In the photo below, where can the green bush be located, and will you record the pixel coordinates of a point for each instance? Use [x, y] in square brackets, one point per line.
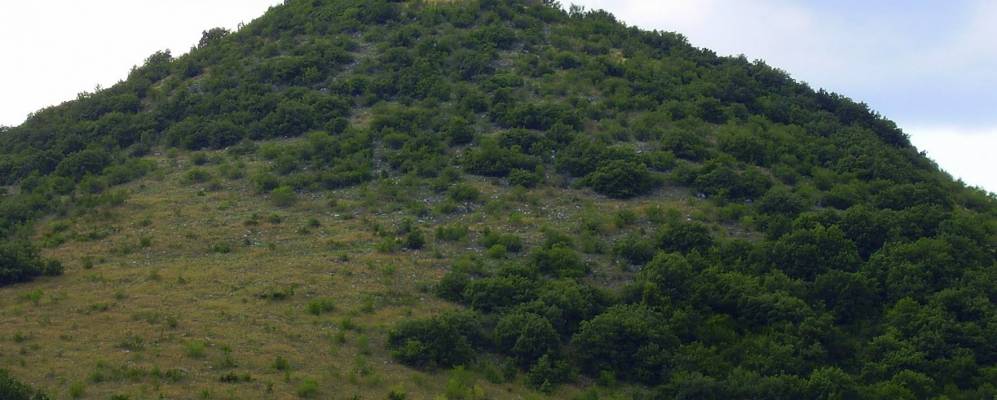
[11, 389]
[451, 233]
[283, 196]
[197, 175]
[632, 341]
[321, 306]
[685, 237]
[559, 261]
[526, 337]
[621, 179]
[463, 193]
[20, 262]
[524, 178]
[511, 242]
[415, 240]
[443, 341]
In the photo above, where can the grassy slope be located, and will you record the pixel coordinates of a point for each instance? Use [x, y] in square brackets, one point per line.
[147, 307]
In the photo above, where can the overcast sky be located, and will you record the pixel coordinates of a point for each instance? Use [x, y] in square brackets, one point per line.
[931, 66]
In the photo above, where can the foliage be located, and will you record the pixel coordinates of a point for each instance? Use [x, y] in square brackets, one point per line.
[443, 341]
[13, 390]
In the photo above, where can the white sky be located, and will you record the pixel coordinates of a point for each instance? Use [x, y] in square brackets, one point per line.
[929, 65]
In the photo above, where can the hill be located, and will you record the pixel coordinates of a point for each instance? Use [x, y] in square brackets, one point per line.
[483, 199]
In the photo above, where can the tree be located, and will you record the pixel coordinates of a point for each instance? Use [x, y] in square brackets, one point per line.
[629, 341]
[807, 253]
[525, 336]
[685, 237]
[443, 341]
[621, 179]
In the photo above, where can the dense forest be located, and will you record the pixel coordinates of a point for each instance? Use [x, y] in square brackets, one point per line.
[838, 262]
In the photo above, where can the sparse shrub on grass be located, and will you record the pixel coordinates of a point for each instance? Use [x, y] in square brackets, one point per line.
[321, 306]
[511, 242]
[497, 252]
[451, 233]
[274, 294]
[461, 386]
[132, 343]
[195, 349]
[397, 393]
[463, 193]
[199, 158]
[415, 240]
[388, 245]
[34, 296]
[281, 364]
[308, 389]
[283, 196]
[196, 175]
[232, 377]
[77, 390]
[264, 182]
[221, 248]
[524, 178]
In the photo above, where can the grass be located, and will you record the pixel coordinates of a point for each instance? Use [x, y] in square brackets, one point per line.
[198, 275]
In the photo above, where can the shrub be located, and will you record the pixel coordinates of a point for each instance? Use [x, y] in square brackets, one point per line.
[496, 252]
[685, 237]
[452, 286]
[463, 192]
[11, 389]
[524, 178]
[320, 306]
[443, 341]
[415, 240]
[621, 179]
[197, 175]
[451, 233]
[308, 388]
[635, 249]
[525, 336]
[499, 292]
[631, 340]
[559, 261]
[547, 373]
[511, 242]
[283, 196]
[281, 364]
[20, 262]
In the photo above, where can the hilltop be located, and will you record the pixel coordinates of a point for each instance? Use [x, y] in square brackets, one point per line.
[482, 199]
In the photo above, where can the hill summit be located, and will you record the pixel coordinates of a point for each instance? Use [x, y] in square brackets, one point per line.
[482, 199]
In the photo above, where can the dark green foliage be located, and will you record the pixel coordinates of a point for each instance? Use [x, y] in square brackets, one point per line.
[20, 262]
[463, 192]
[525, 336]
[685, 237]
[558, 261]
[525, 178]
[11, 389]
[498, 292]
[443, 341]
[807, 253]
[633, 342]
[621, 179]
[635, 249]
[511, 242]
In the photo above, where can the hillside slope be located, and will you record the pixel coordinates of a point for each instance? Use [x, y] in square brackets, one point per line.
[483, 199]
